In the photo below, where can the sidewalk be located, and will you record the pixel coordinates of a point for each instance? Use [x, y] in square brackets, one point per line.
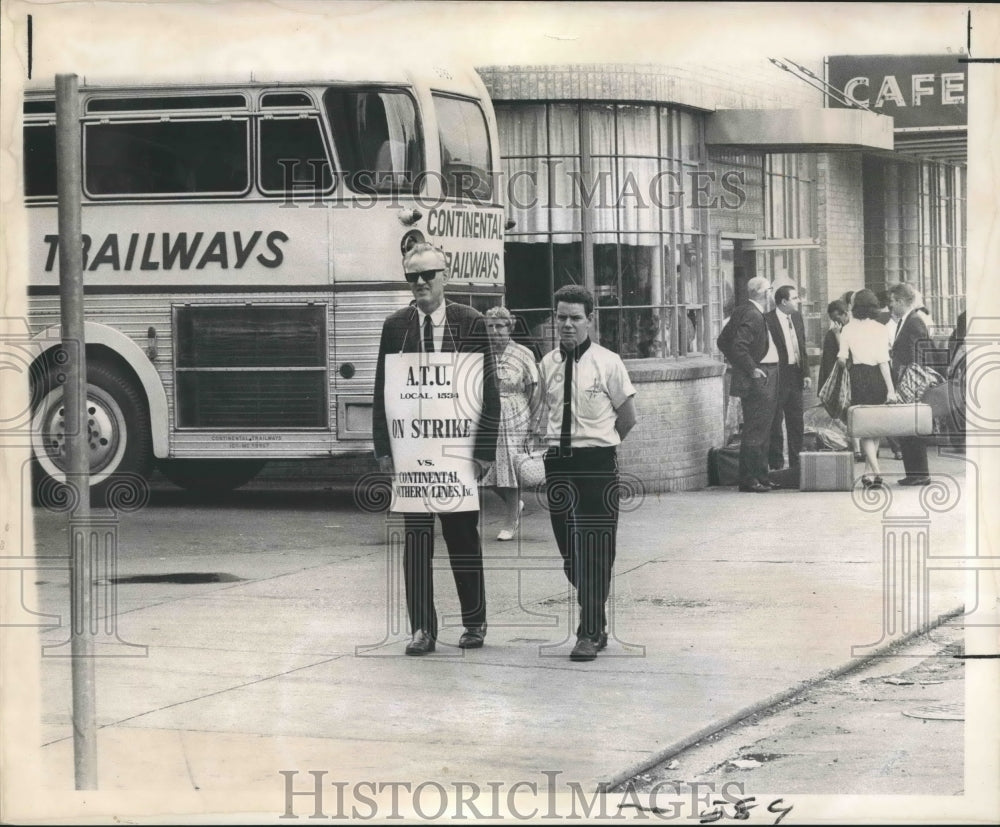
[721, 602]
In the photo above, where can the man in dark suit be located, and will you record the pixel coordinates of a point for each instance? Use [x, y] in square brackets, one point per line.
[433, 325]
[788, 333]
[745, 341]
[910, 329]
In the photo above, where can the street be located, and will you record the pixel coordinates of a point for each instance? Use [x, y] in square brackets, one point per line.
[275, 627]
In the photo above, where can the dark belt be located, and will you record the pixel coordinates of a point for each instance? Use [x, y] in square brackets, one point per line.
[555, 452]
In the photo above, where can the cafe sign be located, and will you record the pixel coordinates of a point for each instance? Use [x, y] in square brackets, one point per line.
[918, 91]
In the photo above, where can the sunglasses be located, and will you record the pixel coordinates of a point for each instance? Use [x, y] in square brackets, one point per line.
[426, 275]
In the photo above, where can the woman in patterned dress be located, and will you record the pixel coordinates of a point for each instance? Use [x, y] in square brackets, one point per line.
[517, 377]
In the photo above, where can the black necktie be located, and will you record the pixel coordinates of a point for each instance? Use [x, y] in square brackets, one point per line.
[567, 414]
[428, 335]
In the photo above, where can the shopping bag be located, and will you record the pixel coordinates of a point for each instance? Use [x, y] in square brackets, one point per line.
[915, 381]
[836, 392]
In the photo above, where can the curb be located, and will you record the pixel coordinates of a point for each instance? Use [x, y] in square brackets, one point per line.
[772, 700]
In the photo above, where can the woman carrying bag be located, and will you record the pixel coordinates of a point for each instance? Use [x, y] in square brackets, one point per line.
[865, 343]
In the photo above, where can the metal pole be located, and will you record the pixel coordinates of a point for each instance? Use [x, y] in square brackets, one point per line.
[82, 631]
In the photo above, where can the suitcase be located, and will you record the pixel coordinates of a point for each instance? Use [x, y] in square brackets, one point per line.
[826, 471]
[911, 419]
[724, 465]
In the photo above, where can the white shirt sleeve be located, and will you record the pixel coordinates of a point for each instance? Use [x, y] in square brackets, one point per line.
[619, 386]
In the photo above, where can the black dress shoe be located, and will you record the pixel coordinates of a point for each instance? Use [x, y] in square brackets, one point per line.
[472, 637]
[770, 484]
[422, 643]
[756, 488]
[585, 649]
[602, 641]
[915, 481]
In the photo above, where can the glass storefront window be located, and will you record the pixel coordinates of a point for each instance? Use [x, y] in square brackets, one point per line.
[615, 209]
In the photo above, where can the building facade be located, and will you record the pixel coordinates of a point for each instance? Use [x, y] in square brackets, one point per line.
[665, 189]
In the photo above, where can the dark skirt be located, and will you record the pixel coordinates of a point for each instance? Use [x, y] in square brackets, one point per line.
[867, 385]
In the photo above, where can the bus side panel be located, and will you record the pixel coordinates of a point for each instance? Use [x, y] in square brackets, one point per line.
[205, 245]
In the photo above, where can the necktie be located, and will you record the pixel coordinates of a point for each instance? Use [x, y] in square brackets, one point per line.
[567, 413]
[428, 335]
[793, 342]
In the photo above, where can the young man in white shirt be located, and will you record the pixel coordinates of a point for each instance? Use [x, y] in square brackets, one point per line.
[590, 410]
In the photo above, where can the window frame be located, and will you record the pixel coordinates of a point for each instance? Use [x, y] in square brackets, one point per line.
[412, 187]
[183, 195]
[489, 196]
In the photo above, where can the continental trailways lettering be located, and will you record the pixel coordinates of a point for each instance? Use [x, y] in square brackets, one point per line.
[142, 252]
[443, 223]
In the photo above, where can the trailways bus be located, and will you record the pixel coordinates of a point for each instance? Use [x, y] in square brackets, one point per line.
[242, 245]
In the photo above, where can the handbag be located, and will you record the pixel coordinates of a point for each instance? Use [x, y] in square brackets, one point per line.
[836, 392]
[530, 468]
[916, 379]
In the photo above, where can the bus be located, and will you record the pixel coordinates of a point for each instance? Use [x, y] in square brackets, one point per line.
[242, 243]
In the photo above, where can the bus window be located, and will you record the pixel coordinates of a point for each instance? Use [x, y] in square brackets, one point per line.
[375, 133]
[292, 156]
[167, 157]
[465, 148]
[298, 100]
[39, 161]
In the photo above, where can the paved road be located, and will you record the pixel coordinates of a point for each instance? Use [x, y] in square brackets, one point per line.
[290, 657]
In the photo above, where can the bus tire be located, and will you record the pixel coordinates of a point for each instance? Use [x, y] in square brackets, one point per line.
[208, 475]
[119, 437]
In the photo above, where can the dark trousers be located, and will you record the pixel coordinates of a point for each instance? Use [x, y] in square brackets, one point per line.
[583, 496]
[758, 412]
[914, 451]
[788, 407]
[461, 536]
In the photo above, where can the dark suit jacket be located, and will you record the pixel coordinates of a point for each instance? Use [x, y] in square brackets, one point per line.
[904, 347]
[776, 324]
[749, 346]
[831, 347]
[465, 333]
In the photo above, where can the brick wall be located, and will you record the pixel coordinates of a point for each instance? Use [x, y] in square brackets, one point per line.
[841, 223]
[679, 404]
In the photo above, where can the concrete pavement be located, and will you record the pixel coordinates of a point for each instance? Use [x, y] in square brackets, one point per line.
[721, 602]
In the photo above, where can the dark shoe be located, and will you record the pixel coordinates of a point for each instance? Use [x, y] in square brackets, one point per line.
[770, 484]
[472, 637]
[756, 488]
[915, 481]
[421, 644]
[859, 457]
[602, 641]
[585, 649]
[871, 482]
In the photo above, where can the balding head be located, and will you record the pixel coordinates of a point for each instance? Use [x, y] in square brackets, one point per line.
[758, 288]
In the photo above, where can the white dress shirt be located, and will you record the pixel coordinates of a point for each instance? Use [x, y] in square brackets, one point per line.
[438, 318]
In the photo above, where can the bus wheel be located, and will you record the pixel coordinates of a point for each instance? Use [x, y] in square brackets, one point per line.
[208, 475]
[118, 434]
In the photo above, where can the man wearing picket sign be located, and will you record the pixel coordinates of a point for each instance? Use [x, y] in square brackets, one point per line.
[434, 423]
